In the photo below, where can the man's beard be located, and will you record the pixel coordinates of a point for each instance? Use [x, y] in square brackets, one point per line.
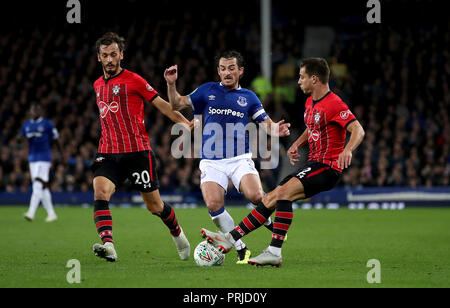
[111, 71]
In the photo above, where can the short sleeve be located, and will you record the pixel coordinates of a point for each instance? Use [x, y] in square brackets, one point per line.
[145, 89]
[22, 130]
[342, 115]
[197, 98]
[256, 110]
[52, 130]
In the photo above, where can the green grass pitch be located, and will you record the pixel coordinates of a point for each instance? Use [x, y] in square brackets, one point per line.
[325, 248]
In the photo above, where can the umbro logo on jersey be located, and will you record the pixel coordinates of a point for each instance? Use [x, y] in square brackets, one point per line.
[105, 108]
[99, 159]
[212, 98]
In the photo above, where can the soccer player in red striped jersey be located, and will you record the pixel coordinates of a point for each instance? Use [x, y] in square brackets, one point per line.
[124, 150]
[327, 119]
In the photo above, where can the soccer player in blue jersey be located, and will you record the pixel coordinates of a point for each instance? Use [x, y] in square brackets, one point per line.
[40, 133]
[222, 104]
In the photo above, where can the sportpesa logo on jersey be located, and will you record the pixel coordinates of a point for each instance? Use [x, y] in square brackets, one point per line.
[226, 112]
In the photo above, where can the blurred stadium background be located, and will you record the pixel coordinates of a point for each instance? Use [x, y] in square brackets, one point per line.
[393, 75]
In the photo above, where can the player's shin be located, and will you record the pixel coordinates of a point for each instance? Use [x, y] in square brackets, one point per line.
[223, 220]
[283, 220]
[257, 217]
[170, 220]
[103, 220]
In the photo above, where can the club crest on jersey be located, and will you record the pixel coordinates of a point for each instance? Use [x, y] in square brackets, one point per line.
[242, 101]
[317, 118]
[116, 90]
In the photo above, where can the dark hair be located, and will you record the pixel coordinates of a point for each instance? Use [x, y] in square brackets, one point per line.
[230, 54]
[318, 67]
[110, 38]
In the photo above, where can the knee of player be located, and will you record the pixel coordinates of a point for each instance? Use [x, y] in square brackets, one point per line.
[256, 197]
[282, 193]
[102, 194]
[214, 205]
[155, 208]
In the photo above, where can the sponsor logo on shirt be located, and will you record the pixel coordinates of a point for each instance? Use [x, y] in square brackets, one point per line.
[315, 135]
[105, 108]
[345, 114]
[226, 112]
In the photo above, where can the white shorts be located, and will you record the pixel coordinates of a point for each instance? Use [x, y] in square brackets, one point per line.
[219, 171]
[40, 169]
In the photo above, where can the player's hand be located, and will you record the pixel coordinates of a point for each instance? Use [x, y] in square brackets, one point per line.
[194, 124]
[345, 159]
[283, 129]
[293, 155]
[171, 74]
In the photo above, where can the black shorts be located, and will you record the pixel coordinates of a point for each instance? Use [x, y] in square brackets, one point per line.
[315, 177]
[138, 167]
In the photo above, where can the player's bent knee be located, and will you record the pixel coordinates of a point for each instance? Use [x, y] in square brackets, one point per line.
[256, 197]
[156, 208]
[214, 206]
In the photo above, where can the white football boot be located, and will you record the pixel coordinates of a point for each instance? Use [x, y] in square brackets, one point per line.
[182, 245]
[51, 218]
[223, 241]
[266, 258]
[105, 251]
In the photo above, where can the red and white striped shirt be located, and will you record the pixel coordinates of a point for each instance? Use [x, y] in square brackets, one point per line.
[120, 100]
[327, 120]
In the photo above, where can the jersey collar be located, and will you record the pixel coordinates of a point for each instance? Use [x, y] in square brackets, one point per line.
[238, 88]
[108, 79]
[315, 102]
[38, 120]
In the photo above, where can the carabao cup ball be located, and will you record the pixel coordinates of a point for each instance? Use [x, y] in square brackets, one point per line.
[207, 255]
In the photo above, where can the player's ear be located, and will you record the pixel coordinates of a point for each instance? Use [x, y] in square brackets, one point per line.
[98, 57]
[121, 55]
[241, 72]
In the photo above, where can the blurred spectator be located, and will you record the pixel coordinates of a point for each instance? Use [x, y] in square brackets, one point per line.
[394, 78]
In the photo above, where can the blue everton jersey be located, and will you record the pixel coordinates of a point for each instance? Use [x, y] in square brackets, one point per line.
[39, 134]
[226, 114]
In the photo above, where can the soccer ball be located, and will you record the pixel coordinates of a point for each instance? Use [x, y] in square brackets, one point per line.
[207, 255]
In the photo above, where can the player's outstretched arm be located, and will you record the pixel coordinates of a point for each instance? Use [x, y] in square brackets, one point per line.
[174, 115]
[357, 136]
[177, 101]
[293, 154]
[279, 129]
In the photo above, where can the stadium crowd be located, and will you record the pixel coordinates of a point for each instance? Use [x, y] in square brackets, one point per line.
[394, 80]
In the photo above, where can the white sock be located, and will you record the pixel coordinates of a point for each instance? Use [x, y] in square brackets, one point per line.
[223, 220]
[36, 197]
[275, 250]
[47, 202]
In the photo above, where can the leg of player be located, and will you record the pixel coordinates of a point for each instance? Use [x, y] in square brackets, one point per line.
[285, 195]
[36, 196]
[214, 196]
[166, 212]
[103, 190]
[48, 204]
[252, 189]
